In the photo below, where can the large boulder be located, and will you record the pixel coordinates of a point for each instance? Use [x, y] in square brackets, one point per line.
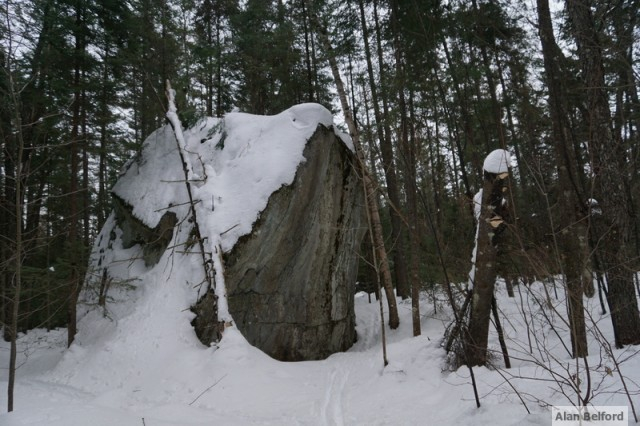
[278, 196]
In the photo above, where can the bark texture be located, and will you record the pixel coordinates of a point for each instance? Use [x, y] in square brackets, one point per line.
[490, 224]
[569, 217]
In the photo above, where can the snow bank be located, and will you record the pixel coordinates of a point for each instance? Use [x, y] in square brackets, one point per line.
[171, 382]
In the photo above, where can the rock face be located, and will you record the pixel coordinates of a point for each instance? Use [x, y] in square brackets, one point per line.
[277, 195]
[154, 241]
[290, 283]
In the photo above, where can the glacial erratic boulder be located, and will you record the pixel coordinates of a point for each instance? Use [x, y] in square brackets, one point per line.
[290, 282]
[278, 197]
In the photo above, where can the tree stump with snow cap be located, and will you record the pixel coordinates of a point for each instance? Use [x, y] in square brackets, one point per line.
[490, 215]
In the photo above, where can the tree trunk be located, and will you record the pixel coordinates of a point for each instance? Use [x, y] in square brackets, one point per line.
[607, 154]
[503, 344]
[102, 202]
[570, 241]
[219, 111]
[369, 186]
[489, 225]
[18, 252]
[397, 234]
[414, 225]
[407, 146]
[86, 194]
[72, 239]
[307, 54]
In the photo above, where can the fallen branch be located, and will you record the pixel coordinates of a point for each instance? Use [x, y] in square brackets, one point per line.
[187, 169]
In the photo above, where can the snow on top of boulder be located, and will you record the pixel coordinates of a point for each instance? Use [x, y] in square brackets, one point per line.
[497, 161]
[238, 162]
[149, 182]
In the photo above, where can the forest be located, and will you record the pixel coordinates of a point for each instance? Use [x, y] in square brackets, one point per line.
[430, 88]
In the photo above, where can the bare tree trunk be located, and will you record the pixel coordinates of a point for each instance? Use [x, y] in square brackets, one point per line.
[218, 72]
[209, 61]
[86, 194]
[407, 146]
[571, 239]
[414, 225]
[72, 240]
[397, 234]
[18, 252]
[209, 265]
[503, 344]
[102, 162]
[369, 185]
[307, 54]
[17, 283]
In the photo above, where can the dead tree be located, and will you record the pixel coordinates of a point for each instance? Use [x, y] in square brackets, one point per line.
[211, 298]
[490, 224]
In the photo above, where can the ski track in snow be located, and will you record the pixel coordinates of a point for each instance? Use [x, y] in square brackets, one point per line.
[333, 397]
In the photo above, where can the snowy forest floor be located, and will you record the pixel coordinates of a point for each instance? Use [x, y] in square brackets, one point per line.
[236, 384]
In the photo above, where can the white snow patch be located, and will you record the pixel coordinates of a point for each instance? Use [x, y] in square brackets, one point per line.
[497, 161]
[477, 204]
[477, 209]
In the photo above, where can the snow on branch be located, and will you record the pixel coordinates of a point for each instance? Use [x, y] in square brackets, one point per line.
[172, 116]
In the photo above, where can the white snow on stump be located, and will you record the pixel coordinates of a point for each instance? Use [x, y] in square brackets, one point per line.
[497, 162]
[477, 204]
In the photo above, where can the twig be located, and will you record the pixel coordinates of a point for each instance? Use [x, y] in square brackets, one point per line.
[207, 389]
[234, 226]
[514, 390]
[176, 205]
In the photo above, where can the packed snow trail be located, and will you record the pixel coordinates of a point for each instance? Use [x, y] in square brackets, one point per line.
[332, 411]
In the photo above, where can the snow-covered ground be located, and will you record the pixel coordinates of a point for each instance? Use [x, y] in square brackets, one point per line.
[129, 374]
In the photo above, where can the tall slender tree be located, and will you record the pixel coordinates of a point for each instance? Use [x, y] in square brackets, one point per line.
[369, 186]
[398, 233]
[569, 223]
